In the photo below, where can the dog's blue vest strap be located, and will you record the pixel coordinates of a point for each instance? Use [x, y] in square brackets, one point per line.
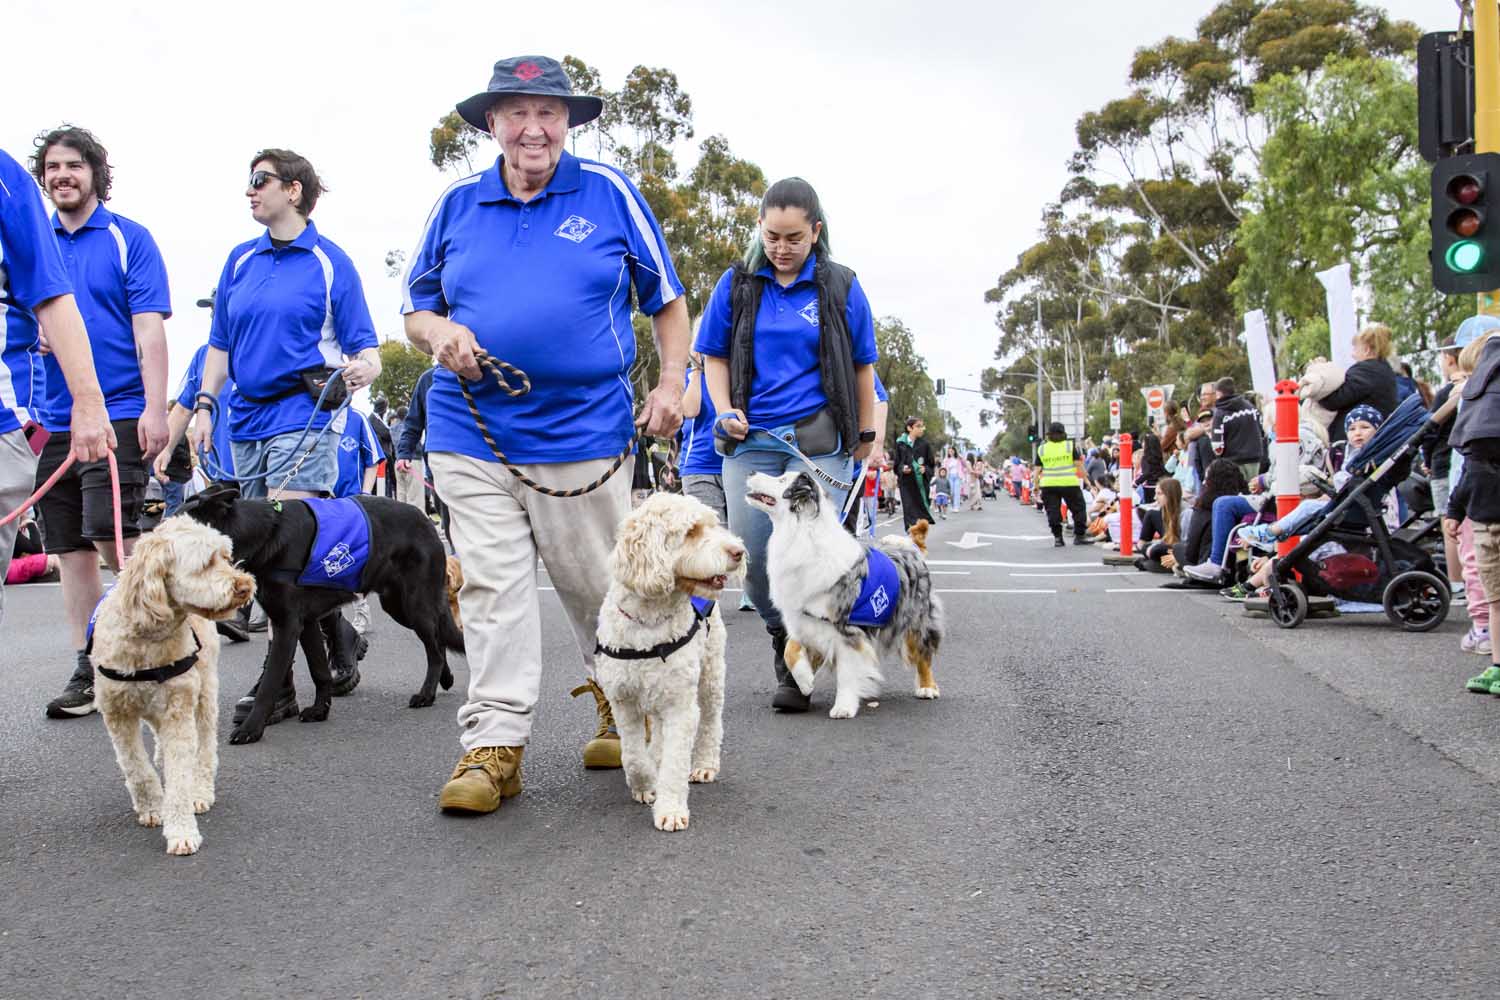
[88, 634]
[158, 674]
[342, 546]
[877, 594]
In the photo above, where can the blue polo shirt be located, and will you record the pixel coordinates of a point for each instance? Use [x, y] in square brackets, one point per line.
[546, 286]
[117, 273]
[787, 385]
[278, 312]
[187, 397]
[31, 272]
[359, 449]
[698, 456]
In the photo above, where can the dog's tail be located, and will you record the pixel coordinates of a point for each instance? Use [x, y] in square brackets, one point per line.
[918, 535]
[449, 634]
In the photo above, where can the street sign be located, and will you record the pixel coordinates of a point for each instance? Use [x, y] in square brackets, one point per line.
[1068, 410]
[1155, 398]
[1115, 406]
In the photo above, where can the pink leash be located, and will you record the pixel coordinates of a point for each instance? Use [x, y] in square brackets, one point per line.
[114, 490]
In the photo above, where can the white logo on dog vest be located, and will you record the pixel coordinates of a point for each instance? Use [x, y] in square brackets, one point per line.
[879, 601]
[339, 558]
[809, 312]
[575, 228]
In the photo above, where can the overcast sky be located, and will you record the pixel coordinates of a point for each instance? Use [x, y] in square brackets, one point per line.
[934, 131]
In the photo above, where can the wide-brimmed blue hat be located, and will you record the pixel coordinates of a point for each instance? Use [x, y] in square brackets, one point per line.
[536, 76]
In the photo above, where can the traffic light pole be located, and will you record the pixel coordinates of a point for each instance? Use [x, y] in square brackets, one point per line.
[1487, 102]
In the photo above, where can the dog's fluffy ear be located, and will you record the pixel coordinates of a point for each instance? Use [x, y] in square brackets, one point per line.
[803, 494]
[142, 589]
[642, 560]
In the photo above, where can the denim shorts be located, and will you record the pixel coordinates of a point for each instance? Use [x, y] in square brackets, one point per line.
[317, 474]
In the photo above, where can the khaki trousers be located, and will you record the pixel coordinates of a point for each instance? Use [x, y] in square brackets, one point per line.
[409, 486]
[500, 527]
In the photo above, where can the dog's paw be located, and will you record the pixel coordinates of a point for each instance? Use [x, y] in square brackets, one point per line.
[184, 842]
[843, 711]
[703, 775]
[646, 796]
[671, 820]
[446, 679]
[313, 713]
[243, 734]
[149, 817]
[927, 694]
[421, 700]
[202, 803]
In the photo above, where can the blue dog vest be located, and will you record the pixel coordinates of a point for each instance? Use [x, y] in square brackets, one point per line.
[342, 546]
[877, 594]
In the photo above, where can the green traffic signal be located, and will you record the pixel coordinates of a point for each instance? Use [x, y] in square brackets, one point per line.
[1465, 256]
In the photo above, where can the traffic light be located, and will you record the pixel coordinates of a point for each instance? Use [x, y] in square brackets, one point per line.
[1031, 433]
[1465, 252]
[942, 387]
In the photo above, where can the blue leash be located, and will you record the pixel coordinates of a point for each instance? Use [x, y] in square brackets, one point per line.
[293, 459]
[766, 440]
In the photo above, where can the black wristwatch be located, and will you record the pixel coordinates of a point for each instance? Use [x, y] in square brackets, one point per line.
[866, 437]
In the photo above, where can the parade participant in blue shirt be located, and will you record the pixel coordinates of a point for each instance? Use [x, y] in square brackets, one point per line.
[783, 357]
[219, 452]
[34, 285]
[288, 303]
[359, 453]
[121, 287]
[534, 260]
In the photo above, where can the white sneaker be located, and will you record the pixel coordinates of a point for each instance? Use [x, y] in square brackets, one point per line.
[1209, 572]
[1476, 640]
[1460, 593]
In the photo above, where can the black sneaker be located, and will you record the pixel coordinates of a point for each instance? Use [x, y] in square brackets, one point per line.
[346, 671]
[789, 698]
[1058, 543]
[77, 698]
[285, 707]
[236, 629]
[1082, 540]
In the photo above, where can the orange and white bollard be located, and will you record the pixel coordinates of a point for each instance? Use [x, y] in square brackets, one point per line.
[1127, 497]
[1287, 455]
[1026, 487]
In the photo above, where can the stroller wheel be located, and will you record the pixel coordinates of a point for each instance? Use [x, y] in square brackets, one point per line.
[1417, 600]
[1287, 604]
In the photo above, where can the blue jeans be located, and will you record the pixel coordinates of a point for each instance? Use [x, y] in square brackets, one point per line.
[1227, 514]
[754, 526]
[955, 488]
[171, 493]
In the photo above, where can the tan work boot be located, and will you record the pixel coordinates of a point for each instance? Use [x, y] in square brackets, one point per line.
[484, 777]
[603, 751]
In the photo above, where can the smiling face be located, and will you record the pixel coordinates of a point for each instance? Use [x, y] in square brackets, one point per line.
[531, 132]
[674, 544]
[791, 495]
[67, 177]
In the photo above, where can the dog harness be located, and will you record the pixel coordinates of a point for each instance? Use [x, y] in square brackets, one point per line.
[878, 593]
[341, 548]
[702, 608]
[158, 674]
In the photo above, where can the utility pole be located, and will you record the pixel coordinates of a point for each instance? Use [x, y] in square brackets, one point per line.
[1041, 411]
[1487, 101]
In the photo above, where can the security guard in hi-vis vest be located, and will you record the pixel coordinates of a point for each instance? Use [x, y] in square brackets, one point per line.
[1062, 469]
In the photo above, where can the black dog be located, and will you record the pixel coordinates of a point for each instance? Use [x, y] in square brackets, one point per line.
[272, 541]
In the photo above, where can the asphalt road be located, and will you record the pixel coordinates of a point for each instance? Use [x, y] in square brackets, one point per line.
[1123, 791]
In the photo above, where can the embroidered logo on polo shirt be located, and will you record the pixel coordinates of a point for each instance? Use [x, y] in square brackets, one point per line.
[339, 558]
[575, 228]
[349, 444]
[809, 312]
[528, 71]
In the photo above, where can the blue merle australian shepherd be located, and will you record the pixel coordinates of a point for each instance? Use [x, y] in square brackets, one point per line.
[845, 602]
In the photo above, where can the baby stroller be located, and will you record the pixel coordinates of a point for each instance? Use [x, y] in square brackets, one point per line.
[1375, 565]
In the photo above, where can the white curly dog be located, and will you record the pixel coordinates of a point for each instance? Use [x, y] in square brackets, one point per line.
[156, 660]
[660, 658]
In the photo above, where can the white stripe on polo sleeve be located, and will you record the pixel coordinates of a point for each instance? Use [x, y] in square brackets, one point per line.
[406, 303]
[114, 230]
[328, 340]
[648, 235]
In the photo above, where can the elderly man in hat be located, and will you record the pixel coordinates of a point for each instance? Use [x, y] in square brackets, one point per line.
[533, 261]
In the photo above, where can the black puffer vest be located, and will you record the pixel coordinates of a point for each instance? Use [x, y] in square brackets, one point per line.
[835, 350]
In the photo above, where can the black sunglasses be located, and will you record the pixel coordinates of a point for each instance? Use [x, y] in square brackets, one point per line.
[259, 178]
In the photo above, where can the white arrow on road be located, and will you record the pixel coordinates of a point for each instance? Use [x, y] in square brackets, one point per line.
[971, 539]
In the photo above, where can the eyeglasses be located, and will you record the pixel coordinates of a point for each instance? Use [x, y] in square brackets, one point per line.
[260, 177]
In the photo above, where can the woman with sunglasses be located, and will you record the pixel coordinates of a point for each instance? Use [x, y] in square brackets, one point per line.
[788, 341]
[289, 304]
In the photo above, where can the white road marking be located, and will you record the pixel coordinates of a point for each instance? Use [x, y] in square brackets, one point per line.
[1011, 565]
[1156, 590]
[1109, 573]
[994, 591]
[948, 572]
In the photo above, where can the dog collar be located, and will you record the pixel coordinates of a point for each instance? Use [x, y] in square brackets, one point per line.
[702, 608]
[158, 674]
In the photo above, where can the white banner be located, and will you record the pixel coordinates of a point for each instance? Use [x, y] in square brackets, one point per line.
[1262, 363]
[1341, 325]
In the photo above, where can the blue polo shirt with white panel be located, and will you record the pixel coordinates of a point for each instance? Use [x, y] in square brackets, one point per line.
[220, 453]
[31, 272]
[278, 312]
[787, 384]
[699, 458]
[544, 285]
[359, 449]
[117, 274]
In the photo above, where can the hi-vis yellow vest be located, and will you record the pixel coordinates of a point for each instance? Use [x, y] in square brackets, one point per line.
[1057, 464]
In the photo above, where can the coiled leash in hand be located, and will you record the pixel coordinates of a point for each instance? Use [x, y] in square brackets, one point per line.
[768, 441]
[500, 369]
